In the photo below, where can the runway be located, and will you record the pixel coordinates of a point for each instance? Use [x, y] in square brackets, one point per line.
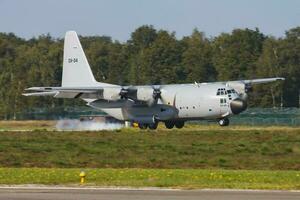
[65, 193]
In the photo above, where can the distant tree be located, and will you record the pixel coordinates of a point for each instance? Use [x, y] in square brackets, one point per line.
[197, 58]
[97, 51]
[141, 39]
[160, 60]
[118, 64]
[236, 54]
[289, 62]
[268, 66]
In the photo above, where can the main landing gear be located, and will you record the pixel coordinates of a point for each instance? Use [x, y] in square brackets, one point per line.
[223, 122]
[171, 124]
[151, 126]
[168, 124]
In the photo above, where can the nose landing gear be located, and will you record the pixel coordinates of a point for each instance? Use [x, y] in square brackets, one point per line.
[223, 122]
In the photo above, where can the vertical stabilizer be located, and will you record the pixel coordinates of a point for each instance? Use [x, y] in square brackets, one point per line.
[76, 69]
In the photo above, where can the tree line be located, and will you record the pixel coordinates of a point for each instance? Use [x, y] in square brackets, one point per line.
[154, 56]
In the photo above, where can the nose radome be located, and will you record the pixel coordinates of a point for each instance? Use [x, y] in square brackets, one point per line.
[238, 105]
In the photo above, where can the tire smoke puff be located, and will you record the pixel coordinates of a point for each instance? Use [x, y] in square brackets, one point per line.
[77, 125]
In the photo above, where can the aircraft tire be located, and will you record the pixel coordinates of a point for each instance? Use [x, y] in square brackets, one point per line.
[153, 126]
[169, 125]
[179, 124]
[224, 122]
[143, 126]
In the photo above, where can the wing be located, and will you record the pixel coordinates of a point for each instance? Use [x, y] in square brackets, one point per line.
[261, 80]
[243, 86]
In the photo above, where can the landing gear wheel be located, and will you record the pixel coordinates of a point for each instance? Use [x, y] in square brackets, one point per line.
[153, 126]
[179, 124]
[143, 126]
[169, 125]
[224, 122]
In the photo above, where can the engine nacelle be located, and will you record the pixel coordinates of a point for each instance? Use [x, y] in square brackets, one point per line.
[112, 94]
[145, 94]
[240, 87]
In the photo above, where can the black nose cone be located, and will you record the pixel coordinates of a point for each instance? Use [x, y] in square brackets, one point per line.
[238, 105]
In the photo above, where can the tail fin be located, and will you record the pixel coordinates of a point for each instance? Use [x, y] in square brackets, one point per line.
[76, 69]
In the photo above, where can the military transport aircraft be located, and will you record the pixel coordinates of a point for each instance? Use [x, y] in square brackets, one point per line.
[148, 104]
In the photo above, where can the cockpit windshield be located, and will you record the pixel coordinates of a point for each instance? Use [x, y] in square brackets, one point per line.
[223, 91]
[231, 91]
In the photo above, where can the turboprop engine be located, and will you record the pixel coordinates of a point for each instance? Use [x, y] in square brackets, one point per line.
[241, 88]
[112, 94]
[148, 95]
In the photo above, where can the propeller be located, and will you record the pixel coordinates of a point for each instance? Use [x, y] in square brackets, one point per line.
[148, 94]
[156, 95]
[123, 93]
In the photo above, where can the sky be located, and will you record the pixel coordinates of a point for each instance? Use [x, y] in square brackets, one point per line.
[119, 18]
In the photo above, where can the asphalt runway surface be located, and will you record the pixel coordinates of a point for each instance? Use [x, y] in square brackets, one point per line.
[58, 193]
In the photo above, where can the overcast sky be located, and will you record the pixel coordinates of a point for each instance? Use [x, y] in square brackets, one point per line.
[118, 18]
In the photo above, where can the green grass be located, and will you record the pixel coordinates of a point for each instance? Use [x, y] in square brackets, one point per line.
[173, 178]
[195, 147]
[194, 157]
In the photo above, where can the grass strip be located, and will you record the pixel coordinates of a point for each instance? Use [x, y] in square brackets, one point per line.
[171, 178]
[130, 148]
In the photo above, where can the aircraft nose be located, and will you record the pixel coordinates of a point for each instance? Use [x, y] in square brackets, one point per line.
[238, 105]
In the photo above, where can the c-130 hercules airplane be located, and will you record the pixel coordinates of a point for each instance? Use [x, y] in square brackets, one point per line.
[148, 105]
